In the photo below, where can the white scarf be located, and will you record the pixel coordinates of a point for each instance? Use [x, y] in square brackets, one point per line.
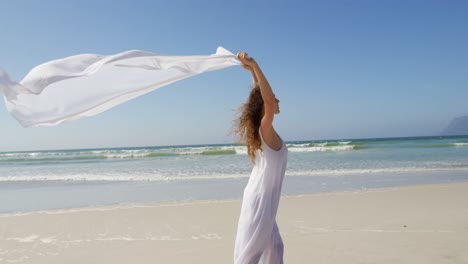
[85, 85]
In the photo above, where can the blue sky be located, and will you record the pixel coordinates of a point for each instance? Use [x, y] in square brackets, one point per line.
[342, 69]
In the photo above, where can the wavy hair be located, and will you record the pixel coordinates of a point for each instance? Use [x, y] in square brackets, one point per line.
[246, 126]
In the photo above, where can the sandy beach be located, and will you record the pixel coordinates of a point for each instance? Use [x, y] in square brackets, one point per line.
[417, 224]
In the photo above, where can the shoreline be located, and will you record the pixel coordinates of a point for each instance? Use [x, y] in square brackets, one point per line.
[32, 197]
[128, 205]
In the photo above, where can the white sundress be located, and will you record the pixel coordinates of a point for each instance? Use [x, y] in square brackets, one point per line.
[258, 240]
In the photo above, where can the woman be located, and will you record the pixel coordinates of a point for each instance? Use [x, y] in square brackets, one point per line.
[258, 239]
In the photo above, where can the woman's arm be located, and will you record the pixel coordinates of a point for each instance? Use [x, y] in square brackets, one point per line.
[265, 88]
[254, 76]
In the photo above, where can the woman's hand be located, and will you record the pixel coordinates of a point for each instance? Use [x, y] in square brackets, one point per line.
[248, 62]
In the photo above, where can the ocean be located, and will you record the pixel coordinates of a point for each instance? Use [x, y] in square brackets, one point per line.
[56, 179]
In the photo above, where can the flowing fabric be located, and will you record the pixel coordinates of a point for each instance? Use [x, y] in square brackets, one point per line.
[85, 85]
[258, 240]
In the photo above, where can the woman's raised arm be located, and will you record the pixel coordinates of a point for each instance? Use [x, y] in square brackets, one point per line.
[271, 106]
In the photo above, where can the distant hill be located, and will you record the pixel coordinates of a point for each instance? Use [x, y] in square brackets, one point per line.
[458, 126]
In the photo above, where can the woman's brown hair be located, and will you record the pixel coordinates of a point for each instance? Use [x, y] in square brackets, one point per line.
[246, 126]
